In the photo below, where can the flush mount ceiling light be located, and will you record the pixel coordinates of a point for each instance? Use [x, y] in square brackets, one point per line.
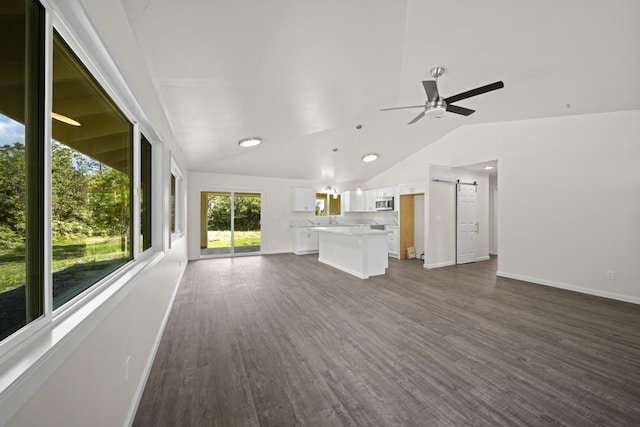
[249, 142]
[488, 168]
[65, 119]
[368, 158]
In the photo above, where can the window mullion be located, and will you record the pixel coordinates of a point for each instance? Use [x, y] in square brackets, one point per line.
[135, 199]
[47, 205]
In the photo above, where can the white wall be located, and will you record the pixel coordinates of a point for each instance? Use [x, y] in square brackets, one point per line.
[493, 215]
[569, 196]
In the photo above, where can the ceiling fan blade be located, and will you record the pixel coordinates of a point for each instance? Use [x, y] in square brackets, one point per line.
[402, 108]
[460, 110]
[473, 92]
[431, 87]
[416, 118]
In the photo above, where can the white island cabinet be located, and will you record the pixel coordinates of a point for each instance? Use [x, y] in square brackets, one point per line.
[359, 251]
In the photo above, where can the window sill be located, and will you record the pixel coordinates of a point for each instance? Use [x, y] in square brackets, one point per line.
[24, 368]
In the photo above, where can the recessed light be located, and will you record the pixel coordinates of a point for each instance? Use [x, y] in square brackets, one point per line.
[250, 142]
[488, 167]
[65, 119]
[367, 158]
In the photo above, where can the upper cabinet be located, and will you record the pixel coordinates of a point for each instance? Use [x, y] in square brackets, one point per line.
[370, 201]
[303, 199]
[411, 188]
[385, 192]
[363, 202]
[353, 202]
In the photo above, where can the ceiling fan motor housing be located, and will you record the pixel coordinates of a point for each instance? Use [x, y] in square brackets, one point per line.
[436, 109]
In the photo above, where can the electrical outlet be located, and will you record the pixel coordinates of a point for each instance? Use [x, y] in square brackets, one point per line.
[611, 275]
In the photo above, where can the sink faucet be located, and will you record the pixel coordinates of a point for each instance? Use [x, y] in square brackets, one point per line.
[332, 219]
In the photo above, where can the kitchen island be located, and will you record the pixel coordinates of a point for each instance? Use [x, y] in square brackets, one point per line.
[355, 250]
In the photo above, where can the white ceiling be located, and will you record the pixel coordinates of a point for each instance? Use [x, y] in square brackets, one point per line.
[302, 74]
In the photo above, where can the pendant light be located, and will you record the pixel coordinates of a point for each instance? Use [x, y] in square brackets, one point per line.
[359, 190]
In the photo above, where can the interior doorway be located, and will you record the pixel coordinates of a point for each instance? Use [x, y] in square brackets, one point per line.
[230, 223]
[412, 225]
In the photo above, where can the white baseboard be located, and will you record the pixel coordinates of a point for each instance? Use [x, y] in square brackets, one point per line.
[305, 252]
[131, 415]
[276, 252]
[493, 253]
[568, 287]
[343, 268]
[483, 258]
[440, 264]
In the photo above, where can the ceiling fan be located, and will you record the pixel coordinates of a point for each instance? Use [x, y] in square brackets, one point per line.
[436, 105]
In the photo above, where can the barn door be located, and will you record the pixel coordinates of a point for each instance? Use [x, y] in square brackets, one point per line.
[466, 223]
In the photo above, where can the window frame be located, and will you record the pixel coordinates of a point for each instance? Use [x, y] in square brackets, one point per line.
[179, 208]
[138, 192]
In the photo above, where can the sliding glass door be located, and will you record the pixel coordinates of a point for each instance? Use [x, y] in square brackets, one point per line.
[230, 223]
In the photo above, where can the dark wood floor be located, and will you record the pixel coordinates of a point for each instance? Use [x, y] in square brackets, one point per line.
[283, 340]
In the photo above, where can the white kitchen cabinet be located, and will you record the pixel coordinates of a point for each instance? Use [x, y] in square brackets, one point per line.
[370, 201]
[411, 188]
[303, 199]
[385, 192]
[305, 241]
[392, 240]
[353, 202]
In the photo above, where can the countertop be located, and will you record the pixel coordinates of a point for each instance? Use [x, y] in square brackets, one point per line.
[338, 225]
[351, 230]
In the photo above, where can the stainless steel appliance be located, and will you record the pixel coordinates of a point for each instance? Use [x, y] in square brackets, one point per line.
[384, 204]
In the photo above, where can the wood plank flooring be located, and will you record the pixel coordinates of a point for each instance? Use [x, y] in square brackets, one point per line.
[283, 340]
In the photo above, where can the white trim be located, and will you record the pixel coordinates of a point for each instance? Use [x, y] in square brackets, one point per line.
[343, 268]
[278, 252]
[307, 252]
[48, 185]
[137, 397]
[483, 258]
[493, 253]
[440, 264]
[136, 191]
[568, 287]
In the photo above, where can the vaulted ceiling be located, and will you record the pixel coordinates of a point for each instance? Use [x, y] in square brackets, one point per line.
[302, 74]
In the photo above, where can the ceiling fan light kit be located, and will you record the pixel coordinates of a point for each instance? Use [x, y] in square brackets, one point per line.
[436, 109]
[436, 106]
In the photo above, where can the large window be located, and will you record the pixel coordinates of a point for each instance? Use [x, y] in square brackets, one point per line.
[21, 164]
[91, 174]
[89, 180]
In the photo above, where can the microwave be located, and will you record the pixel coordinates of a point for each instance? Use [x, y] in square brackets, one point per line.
[384, 204]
